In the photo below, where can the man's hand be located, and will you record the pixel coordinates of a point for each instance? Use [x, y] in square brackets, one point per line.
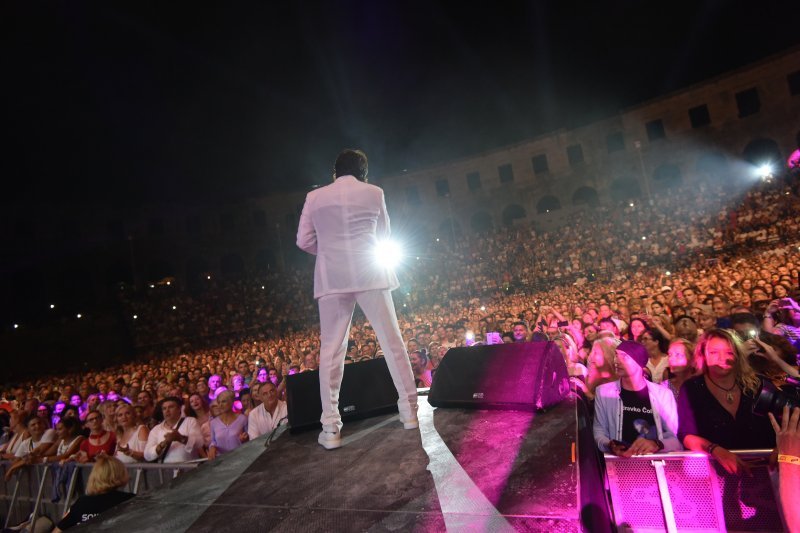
[641, 446]
[175, 436]
[617, 448]
[788, 431]
[244, 437]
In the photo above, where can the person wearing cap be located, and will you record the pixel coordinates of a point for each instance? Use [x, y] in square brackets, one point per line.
[633, 416]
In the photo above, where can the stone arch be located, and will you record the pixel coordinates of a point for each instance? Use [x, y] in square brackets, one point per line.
[231, 265]
[762, 151]
[667, 175]
[481, 221]
[625, 188]
[585, 196]
[513, 212]
[548, 203]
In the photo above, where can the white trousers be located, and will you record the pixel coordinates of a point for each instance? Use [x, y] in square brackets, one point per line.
[335, 316]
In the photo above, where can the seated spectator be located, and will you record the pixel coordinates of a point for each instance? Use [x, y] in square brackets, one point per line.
[229, 429]
[102, 493]
[682, 364]
[131, 435]
[267, 416]
[177, 439]
[715, 409]
[99, 441]
[632, 415]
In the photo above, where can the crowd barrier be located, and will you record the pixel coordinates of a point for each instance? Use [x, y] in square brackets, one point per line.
[49, 490]
[688, 492]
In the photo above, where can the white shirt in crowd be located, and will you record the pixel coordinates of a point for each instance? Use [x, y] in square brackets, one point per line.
[259, 421]
[178, 452]
[27, 446]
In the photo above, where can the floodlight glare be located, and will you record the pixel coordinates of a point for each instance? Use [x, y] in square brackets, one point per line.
[765, 171]
[388, 253]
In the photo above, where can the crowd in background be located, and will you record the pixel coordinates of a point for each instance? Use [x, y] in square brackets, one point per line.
[646, 283]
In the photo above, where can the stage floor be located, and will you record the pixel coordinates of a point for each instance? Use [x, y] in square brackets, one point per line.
[464, 470]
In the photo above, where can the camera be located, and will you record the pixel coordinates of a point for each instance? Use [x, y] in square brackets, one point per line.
[770, 399]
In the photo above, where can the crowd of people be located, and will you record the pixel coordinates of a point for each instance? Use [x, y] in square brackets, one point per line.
[671, 315]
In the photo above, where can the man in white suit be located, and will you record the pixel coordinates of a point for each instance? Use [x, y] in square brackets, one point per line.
[342, 224]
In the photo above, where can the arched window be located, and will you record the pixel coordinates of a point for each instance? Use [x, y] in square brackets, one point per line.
[547, 204]
[762, 151]
[513, 212]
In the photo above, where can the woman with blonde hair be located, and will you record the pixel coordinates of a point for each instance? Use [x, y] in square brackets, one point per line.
[102, 492]
[682, 365]
[131, 435]
[601, 366]
[715, 409]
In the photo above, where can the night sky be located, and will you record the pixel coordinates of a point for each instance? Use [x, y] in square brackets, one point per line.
[136, 102]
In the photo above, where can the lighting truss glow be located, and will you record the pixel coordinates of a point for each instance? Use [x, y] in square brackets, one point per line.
[388, 253]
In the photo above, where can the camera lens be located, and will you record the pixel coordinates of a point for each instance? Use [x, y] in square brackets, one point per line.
[772, 400]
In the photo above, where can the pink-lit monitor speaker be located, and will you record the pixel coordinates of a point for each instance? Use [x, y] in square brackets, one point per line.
[700, 496]
[524, 376]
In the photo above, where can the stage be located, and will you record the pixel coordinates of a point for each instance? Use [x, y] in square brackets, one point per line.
[463, 470]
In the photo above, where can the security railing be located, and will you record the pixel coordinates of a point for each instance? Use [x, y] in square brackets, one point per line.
[689, 492]
[50, 489]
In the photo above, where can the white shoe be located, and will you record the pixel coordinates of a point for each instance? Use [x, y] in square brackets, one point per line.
[410, 423]
[330, 440]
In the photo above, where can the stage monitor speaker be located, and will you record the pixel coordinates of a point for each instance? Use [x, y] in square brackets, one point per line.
[524, 376]
[367, 390]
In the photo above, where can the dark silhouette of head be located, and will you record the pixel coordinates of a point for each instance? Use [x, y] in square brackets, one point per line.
[352, 163]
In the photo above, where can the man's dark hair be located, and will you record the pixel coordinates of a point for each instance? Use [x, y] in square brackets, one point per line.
[519, 323]
[352, 163]
[175, 399]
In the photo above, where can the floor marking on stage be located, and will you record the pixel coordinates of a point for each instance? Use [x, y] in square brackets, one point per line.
[464, 506]
[364, 432]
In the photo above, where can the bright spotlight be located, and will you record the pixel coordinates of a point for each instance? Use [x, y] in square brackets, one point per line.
[16, 326]
[388, 253]
[765, 171]
[52, 306]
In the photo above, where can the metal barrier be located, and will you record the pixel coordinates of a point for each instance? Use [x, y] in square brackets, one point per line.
[50, 489]
[690, 492]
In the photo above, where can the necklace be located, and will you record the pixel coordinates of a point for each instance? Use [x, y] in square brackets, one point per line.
[728, 391]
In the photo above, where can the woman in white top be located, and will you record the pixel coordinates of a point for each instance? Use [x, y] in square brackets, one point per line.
[17, 424]
[68, 442]
[131, 436]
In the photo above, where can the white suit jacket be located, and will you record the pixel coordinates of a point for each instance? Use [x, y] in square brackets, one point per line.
[341, 224]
